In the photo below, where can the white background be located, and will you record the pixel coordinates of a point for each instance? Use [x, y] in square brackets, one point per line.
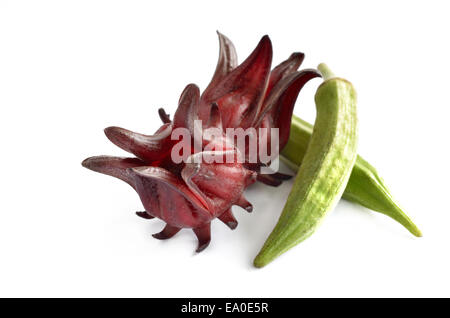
[68, 69]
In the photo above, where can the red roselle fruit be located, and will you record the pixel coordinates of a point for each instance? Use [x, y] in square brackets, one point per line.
[190, 194]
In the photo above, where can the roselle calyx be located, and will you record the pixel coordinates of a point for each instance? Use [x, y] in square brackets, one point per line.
[191, 193]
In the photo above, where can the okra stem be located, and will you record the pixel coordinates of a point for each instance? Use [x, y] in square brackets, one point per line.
[325, 71]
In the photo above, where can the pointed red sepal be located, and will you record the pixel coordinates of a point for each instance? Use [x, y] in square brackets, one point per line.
[227, 217]
[203, 234]
[215, 119]
[280, 103]
[168, 232]
[284, 106]
[243, 203]
[113, 166]
[284, 69]
[226, 63]
[165, 118]
[187, 110]
[240, 93]
[144, 215]
[281, 176]
[145, 147]
[284, 94]
[168, 197]
[269, 180]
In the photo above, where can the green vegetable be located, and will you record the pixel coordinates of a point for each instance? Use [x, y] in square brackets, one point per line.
[325, 169]
[364, 186]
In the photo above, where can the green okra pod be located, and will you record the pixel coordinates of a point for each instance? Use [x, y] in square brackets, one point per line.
[364, 187]
[325, 170]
